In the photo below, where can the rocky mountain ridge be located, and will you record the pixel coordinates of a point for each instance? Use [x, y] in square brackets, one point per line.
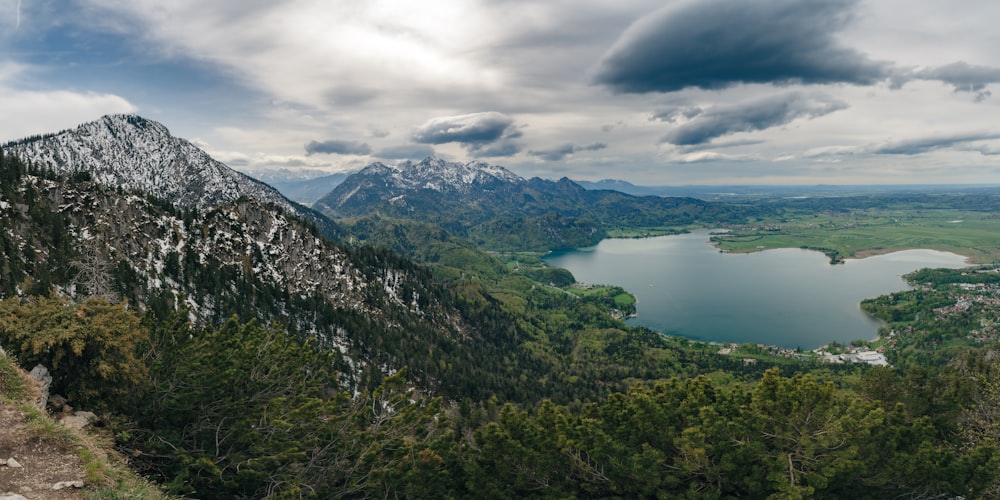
[400, 184]
[140, 155]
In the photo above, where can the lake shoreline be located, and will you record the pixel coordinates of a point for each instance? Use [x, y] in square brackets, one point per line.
[687, 287]
[838, 256]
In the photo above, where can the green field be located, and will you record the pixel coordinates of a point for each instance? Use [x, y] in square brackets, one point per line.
[975, 235]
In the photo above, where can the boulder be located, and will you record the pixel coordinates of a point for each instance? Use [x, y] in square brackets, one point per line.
[78, 420]
[67, 484]
[57, 402]
[41, 374]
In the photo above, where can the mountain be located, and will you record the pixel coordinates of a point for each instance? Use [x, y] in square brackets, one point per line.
[140, 155]
[408, 182]
[307, 191]
[614, 185]
[253, 358]
[503, 211]
[91, 213]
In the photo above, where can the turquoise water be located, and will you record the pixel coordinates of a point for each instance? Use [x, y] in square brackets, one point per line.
[785, 297]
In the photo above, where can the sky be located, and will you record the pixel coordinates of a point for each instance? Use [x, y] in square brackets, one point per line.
[716, 92]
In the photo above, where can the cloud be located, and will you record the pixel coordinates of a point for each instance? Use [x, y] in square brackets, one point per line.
[338, 147]
[932, 143]
[378, 132]
[487, 134]
[504, 147]
[751, 116]
[559, 152]
[326, 55]
[963, 76]
[714, 44]
[472, 128]
[721, 145]
[675, 113]
[35, 112]
[406, 152]
[912, 147]
[710, 156]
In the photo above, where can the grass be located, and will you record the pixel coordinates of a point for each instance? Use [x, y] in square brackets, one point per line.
[620, 296]
[975, 235]
[13, 386]
[106, 474]
[646, 232]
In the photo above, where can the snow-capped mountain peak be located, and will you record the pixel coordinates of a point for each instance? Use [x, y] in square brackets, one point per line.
[138, 154]
[454, 180]
[442, 175]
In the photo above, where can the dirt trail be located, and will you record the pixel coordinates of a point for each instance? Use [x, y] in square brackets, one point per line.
[45, 460]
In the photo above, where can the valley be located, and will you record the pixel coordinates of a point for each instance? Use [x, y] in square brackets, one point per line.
[404, 337]
[962, 224]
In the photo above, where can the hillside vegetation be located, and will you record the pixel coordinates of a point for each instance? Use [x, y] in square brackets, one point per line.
[236, 353]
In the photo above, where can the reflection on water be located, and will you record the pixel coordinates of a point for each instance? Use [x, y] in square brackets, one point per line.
[787, 297]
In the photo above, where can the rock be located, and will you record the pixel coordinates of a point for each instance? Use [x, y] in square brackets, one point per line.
[68, 484]
[12, 496]
[75, 421]
[13, 463]
[87, 415]
[57, 402]
[41, 374]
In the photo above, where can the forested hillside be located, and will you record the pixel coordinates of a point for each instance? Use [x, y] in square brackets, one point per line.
[235, 352]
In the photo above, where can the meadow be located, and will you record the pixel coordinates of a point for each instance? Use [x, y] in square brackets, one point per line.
[860, 233]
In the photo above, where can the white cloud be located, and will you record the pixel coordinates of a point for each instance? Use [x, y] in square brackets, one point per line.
[30, 112]
[325, 54]
[375, 72]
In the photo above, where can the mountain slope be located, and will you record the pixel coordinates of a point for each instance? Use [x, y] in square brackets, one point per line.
[137, 154]
[411, 185]
[379, 311]
[502, 211]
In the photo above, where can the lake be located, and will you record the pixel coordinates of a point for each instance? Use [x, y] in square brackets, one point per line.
[787, 297]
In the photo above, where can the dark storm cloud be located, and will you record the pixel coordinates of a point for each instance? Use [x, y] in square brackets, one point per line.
[474, 128]
[751, 116]
[714, 44]
[963, 76]
[406, 152]
[926, 144]
[559, 152]
[488, 134]
[338, 148]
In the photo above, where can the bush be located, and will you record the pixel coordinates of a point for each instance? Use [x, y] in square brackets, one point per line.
[89, 347]
[12, 383]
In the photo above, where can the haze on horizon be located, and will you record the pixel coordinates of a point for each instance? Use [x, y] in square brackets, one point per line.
[710, 92]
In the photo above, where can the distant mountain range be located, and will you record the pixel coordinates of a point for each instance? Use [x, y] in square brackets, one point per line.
[503, 211]
[308, 191]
